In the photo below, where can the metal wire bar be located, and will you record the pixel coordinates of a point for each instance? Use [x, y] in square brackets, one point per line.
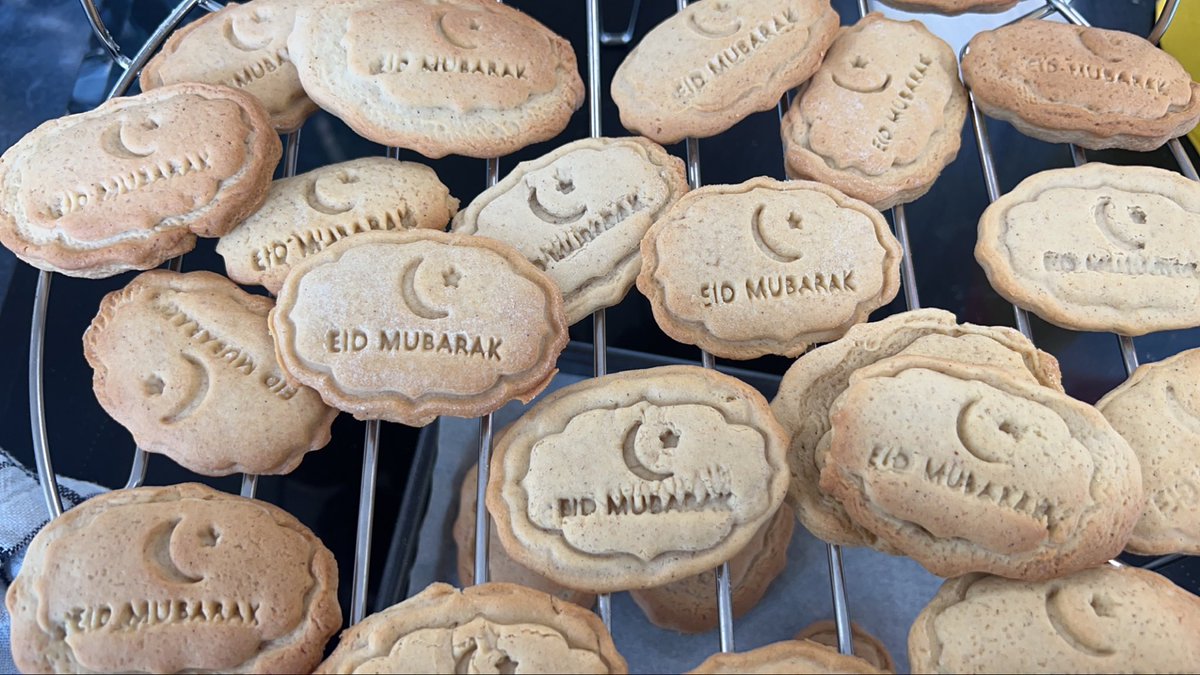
[211, 5]
[1164, 21]
[1068, 12]
[366, 517]
[102, 33]
[908, 270]
[1181, 157]
[625, 36]
[152, 44]
[249, 485]
[1163, 561]
[37, 402]
[841, 610]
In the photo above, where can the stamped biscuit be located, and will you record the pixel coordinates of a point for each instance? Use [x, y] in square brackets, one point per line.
[767, 267]
[690, 605]
[304, 214]
[866, 646]
[952, 6]
[812, 384]
[901, 81]
[173, 579]
[466, 77]
[185, 363]
[240, 46]
[501, 568]
[579, 213]
[491, 628]
[1156, 410]
[716, 62]
[406, 326]
[683, 466]
[135, 181]
[965, 469]
[1098, 248]
[1101, 620]
[789, 656]
[1077, 84]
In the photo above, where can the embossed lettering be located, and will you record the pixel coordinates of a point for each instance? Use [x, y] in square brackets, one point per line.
[736, 53]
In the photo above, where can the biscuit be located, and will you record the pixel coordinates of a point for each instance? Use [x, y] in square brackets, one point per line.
[405, 326]
[812, 384]
[690, 605]
[683, 466]
[170, 579]
[304, 214]
[952, 7]
[1076, 84]
[1098, 248]
[185, 363]
[767, 267]
[1155, 410]
[789, 656]
[965, 469]
[135, 181]
[491, 628]
[240, 46]
[466, 77]
[579, 213]
[501, 568]
[716, 62]
[901, 81]
[866, 646]
[1101, 620]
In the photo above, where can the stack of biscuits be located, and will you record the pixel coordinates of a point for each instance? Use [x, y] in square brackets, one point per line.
[950, 443]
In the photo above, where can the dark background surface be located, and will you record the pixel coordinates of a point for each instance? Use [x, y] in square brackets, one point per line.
[52, 64]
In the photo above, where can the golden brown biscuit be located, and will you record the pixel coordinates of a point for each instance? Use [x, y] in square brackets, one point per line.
[866, 646]
[135, 181]
[169, 579]
[789, 656]
[502, 628]
[951, 6]
[186, 364]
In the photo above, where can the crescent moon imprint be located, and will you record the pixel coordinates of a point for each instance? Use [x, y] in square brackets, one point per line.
[314, 200]
[158, 550]
[977, 451]
[1102, 212]
[237, 41]
[409, 291]
[199, 393]
[714, 34]
[887, 81]
[1180, 411]
[544, 214]
[629, 452]
[113, 142]
[456, 40]
[767, 249]
[1082, 642]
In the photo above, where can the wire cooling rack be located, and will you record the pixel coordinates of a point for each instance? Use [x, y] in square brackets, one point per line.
[596, 36]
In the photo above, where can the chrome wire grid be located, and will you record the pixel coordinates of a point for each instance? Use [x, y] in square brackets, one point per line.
[596, 36]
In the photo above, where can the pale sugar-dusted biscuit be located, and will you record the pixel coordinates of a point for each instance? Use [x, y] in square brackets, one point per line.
[966, 469]
[866, 646]
[491, 628]
[466, 77]
[812, 384]
[135, 181]
[241, 46]
[1076, 84]
[789, 656]
[579, 214]
[304, 214]
[901, 81]
[690, 605]
[951, 6]
[409, 325]
[1156, 410]
[637, 479]
[186, 364]
[716, 62]
[1100, 620]
[501, 568]
[1098, 248]
[174, 579]
[767, 267]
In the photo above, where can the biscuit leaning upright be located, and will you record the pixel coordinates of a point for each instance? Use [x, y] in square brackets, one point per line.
[952, 6]
[716, 62]
[406, 326]
[466, 77]
[134, 182]
[789, 656]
